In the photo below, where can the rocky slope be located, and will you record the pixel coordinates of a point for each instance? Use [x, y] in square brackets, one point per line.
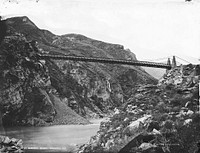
[156, 119]
[38, 92]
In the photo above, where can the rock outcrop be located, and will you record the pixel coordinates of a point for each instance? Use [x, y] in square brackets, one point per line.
[157, 118]
[10, 145]
[26, 92]
[38, 92]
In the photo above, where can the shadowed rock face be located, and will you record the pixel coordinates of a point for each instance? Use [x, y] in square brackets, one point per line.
[3, 29]
[87, 89]
[24, 83]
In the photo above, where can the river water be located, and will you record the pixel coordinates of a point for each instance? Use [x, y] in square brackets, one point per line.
[55, 136]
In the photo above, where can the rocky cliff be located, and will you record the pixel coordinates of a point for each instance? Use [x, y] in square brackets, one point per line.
[156, 119]
[40, 92]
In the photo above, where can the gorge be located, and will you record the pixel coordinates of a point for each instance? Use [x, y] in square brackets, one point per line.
[143, 114]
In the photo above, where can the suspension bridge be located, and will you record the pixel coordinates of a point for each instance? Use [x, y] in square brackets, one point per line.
[167, 65]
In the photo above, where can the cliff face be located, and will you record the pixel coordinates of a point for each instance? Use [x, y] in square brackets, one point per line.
[38, 92]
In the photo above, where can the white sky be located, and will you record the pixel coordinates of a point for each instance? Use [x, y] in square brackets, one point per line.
[150, 28]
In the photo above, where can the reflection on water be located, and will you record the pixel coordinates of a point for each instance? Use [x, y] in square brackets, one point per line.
[54, 136]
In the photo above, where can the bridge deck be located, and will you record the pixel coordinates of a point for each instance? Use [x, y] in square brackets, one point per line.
[106, 60]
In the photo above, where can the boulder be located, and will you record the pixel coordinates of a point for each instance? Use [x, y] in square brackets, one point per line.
[145, 146]
[9, 145]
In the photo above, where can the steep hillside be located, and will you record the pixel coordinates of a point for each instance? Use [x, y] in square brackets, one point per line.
[156, 119]
[89, 89]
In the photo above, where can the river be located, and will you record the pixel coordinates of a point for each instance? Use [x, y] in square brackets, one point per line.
[63, 136]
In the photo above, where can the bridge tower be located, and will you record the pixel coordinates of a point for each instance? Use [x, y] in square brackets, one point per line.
[174, 62]
[168, 61]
